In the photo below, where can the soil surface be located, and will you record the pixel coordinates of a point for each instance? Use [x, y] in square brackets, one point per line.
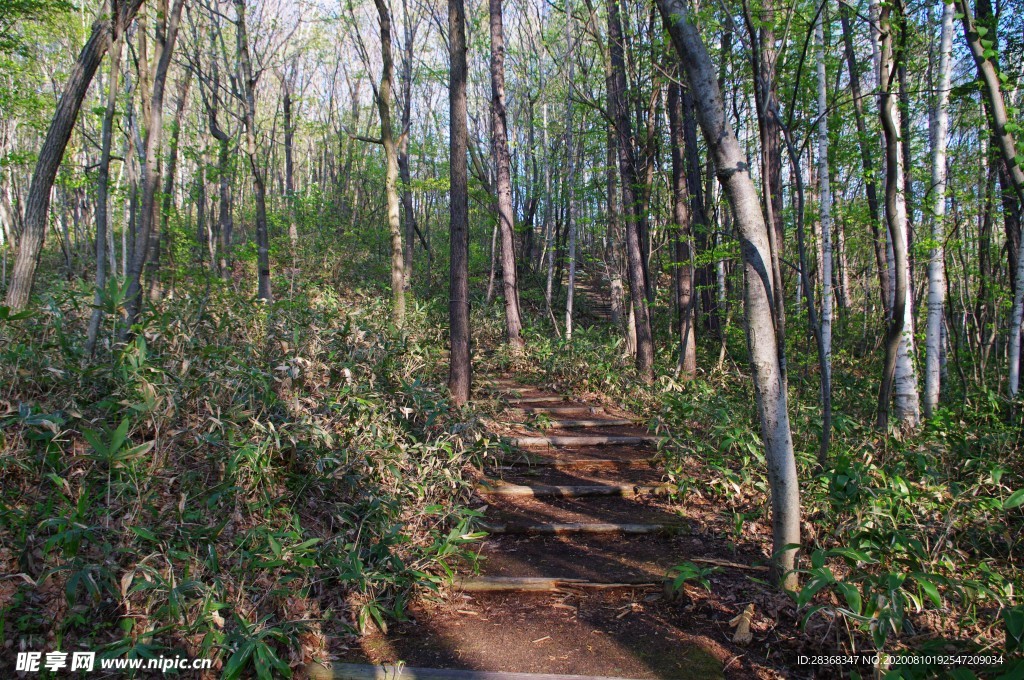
[622, 620]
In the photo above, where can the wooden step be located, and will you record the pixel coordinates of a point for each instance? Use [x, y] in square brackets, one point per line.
[558, 528]
[352, 671]
[562, 410]
[582, 440]
[534, 400]
[541, 584]
[590, 422]
[497, 488]
[578, 463]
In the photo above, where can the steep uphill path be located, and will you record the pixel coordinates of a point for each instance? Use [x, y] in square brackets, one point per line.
[572, 573]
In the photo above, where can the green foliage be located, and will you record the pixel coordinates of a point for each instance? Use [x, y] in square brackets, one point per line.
[239, 481]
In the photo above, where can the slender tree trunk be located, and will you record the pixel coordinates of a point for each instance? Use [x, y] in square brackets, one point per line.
[936, 262]
[503, 181]
[627, 170]
[699, 223]
[460, 368]
[102, 199]
[248, 91]
[570, 180]
[289, 167]
[108, 26]
[899, 375]
[614, 235]
[404, 170]
[387, 136]
[167, 32]
[825, 202]
[682, 266]
[866, 155]
[1004, 139]
[154, 291]
[769, 381]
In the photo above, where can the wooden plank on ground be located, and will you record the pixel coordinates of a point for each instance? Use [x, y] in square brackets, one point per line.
[500, 489]
[542, 584]
[583, 440]
[578, 528]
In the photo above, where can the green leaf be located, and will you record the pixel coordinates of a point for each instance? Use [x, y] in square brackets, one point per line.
[929, 588]
[1015, 500]
[852, 596]
[142, 532]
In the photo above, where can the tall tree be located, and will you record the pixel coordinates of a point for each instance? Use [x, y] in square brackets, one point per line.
[1002, 134]
[682, 266]
[937, 256]
[166, 35]
[459, 373]
[503, 181]
[867, 154]
[899, 376]
[112, 21]
[248, 79]
[733, 172]
[570, 179]
[631, 202]
[383, 94]
[102, 195]
[825, 202]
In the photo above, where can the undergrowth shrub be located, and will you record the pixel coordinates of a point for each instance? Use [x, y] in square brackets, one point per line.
[241, 481]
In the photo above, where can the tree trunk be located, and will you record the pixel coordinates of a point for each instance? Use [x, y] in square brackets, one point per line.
[248, 85]
[825, 203]
[570, 179]
[682, 266]
[387, 137]
[289, 168]
[503, 182]
[627, 170]
[107, 27]
[167, 32]
[102, 202]
[404, 170]
[460, 369]
[899, 375]
[769, 383]
[167, 194]
[866, 155]
[936, 262]
[1003, 136]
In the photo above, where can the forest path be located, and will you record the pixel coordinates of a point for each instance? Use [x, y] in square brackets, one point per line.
[580, 538]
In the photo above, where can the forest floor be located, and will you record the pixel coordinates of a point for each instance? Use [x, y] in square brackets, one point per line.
[576, 572]
[572, 576]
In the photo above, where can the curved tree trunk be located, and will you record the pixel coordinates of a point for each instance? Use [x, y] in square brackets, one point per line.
[503, 181]
[733, 172]
[167, 32]
[111, 23]
[899, 376]
[1003, 136]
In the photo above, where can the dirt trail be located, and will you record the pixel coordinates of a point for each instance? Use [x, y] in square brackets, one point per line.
[572, 572]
